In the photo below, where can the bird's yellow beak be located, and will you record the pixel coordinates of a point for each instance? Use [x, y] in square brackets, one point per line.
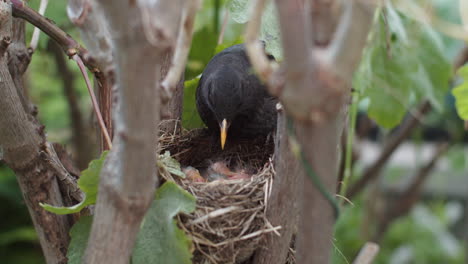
[224, 127]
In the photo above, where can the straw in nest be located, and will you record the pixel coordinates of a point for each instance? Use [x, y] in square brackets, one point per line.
[229, 220]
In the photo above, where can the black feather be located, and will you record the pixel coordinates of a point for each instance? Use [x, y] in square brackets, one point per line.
[228, 89]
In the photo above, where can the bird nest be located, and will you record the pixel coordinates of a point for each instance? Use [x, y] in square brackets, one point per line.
[229, 220]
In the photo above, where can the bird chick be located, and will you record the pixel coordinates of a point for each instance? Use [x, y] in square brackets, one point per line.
[193, 174]
[221, 168]
[230, 96]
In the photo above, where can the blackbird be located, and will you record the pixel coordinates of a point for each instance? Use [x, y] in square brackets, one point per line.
[230, 96]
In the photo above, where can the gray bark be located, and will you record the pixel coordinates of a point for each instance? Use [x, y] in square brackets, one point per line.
[141, 33]
[25, 150]
[315, 95]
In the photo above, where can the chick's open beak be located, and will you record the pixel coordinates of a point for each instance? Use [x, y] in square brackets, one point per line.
[224, 127]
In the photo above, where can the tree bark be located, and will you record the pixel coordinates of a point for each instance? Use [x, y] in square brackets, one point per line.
[25, 150]
[141, 33]
[172, 111]
[316, 95]
[285, 200]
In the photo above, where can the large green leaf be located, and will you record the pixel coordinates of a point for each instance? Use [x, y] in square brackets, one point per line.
[403, 63]
[461, 94]
[269, 31]
[88, 183]
[79, 234]
[160, 240]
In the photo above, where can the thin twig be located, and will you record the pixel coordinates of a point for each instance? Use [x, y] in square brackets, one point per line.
[411, 194]
[348, 163]
[66, 42]
[70, 46]
[403, 132]
[80, 64]
[223, 28]
[36, 32]
[254, 47]
[184, 40]
[79, 138]
[367, 253]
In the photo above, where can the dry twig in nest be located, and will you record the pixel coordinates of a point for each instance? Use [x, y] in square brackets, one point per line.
[229, 220]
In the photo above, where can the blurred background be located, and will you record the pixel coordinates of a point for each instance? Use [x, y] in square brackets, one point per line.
[407, 158]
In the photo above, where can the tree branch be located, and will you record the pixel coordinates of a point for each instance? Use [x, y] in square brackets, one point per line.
[184, 40]
[80, 131]
[325, 15]
[69, 45]
[284, 202]
[36, 32]
[392, 144]
[142, 33]
[367, 253]
[346, 48]
[95, 34]
[408, 198]
[316, 97]
[263, 67]
[33, 160]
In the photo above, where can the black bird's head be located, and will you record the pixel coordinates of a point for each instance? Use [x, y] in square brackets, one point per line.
[226, 99]
[230, 96]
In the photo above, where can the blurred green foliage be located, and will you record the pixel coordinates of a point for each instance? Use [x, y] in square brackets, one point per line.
[404, 63]
[461, 94]
[423, 236]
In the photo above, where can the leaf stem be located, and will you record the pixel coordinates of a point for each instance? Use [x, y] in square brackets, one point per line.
[349, 143]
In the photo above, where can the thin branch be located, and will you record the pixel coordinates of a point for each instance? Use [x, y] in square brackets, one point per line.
[66, 42]
[421, 15]
[94, 31]
[223, 28]
[28, 154]
[80, 64]
[184, 40]
[81, 142]
[36, 32]
[69, 45]
[411, 194]
[128, 178]
[324, 15]
[367, 254]
[345, 51]
[264, 68]
[392, 144]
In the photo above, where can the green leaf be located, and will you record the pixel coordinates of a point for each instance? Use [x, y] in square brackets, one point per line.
[88, 183]
[79, 234]
[18, 234]
[201, 52]
[461, 94]
[190, 117]
[403, 64]
[160, 240]
[269, 30]
[169, 164]
[226, 45]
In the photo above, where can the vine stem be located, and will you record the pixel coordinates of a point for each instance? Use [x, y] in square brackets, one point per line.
[349, 144]
[82, 67]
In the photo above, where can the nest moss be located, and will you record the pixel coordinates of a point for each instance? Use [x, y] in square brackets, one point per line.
[230, 217]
